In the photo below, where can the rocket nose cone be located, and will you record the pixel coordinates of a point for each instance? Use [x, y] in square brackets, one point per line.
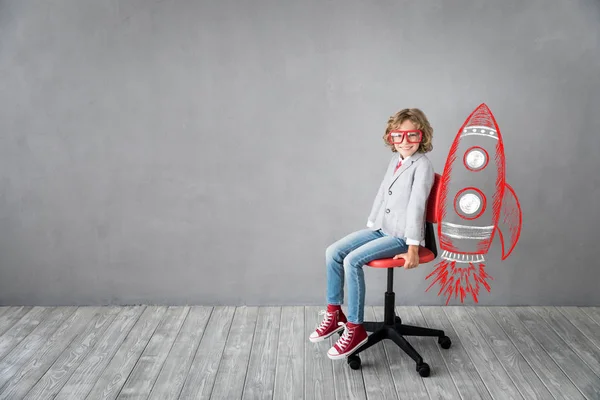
[482, 116]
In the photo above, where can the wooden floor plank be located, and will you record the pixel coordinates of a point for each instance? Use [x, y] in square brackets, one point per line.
[83, 320]
[231, 376]
[318, 368]
[22, 329]
[289, 370]
[260, 377]
[593, 313]
[544, 366]
[141, 379]
[491, 371]
[10, 318]
[3, 309]
[569, 333]
[169, 383]
[58, 374]
[439, 384]
[88, 372]
[29, 347]
[583, 322]
[118, 369]
[466, 378]
[580, 374]
[408, 385]
[376, 368]
[516, 366]
[203, 371]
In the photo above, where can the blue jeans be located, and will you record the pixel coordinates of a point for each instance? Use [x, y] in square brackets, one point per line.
[345, 259]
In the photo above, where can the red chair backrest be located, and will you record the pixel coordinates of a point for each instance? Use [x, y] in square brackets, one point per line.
[432, 201]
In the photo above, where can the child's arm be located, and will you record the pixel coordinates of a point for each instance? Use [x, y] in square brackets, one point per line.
[415, 213]
[421, 188]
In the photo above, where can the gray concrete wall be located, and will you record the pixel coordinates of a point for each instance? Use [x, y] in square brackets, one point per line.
[207, 152]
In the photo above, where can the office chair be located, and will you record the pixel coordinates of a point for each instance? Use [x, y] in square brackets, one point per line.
[392, 327]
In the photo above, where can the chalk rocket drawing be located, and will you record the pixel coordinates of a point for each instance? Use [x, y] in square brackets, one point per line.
[474, 203]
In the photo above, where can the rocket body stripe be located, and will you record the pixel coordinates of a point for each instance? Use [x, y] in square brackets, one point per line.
[478, 134]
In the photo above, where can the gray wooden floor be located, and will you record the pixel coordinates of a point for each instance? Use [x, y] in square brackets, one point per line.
[263, 353]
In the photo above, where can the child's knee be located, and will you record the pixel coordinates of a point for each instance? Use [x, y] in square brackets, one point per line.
[352, 260]
[333, 253]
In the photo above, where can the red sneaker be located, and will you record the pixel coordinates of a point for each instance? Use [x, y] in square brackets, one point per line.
[352, 338]
[328, 326]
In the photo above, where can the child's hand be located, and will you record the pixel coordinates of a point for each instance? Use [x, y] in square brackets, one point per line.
[411, 259]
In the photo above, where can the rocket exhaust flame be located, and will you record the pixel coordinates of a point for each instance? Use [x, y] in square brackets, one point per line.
[459, 281]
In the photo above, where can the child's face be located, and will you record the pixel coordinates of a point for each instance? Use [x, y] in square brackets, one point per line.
[405, 148]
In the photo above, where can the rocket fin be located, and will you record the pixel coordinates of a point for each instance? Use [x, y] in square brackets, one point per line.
[510, 221]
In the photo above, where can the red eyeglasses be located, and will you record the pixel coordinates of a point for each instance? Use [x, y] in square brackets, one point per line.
[397, 137]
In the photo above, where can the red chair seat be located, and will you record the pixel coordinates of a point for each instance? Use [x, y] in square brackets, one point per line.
[425, 256]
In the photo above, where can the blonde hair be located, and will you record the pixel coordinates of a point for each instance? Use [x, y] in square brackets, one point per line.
[418, 118]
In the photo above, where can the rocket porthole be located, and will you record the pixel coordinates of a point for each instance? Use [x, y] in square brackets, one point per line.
[469, 203]
[476, 158]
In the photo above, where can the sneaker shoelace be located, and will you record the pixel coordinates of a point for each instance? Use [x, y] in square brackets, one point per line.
[346, 337]
[326, 321]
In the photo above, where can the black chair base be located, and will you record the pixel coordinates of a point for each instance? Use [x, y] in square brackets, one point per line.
[393, 329]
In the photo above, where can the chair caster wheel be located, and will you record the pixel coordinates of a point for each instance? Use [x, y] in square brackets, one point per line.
[423, 369]
[445, 342]
[397, 319]
[354, 361]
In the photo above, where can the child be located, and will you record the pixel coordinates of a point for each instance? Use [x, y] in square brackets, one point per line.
[396, 228]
